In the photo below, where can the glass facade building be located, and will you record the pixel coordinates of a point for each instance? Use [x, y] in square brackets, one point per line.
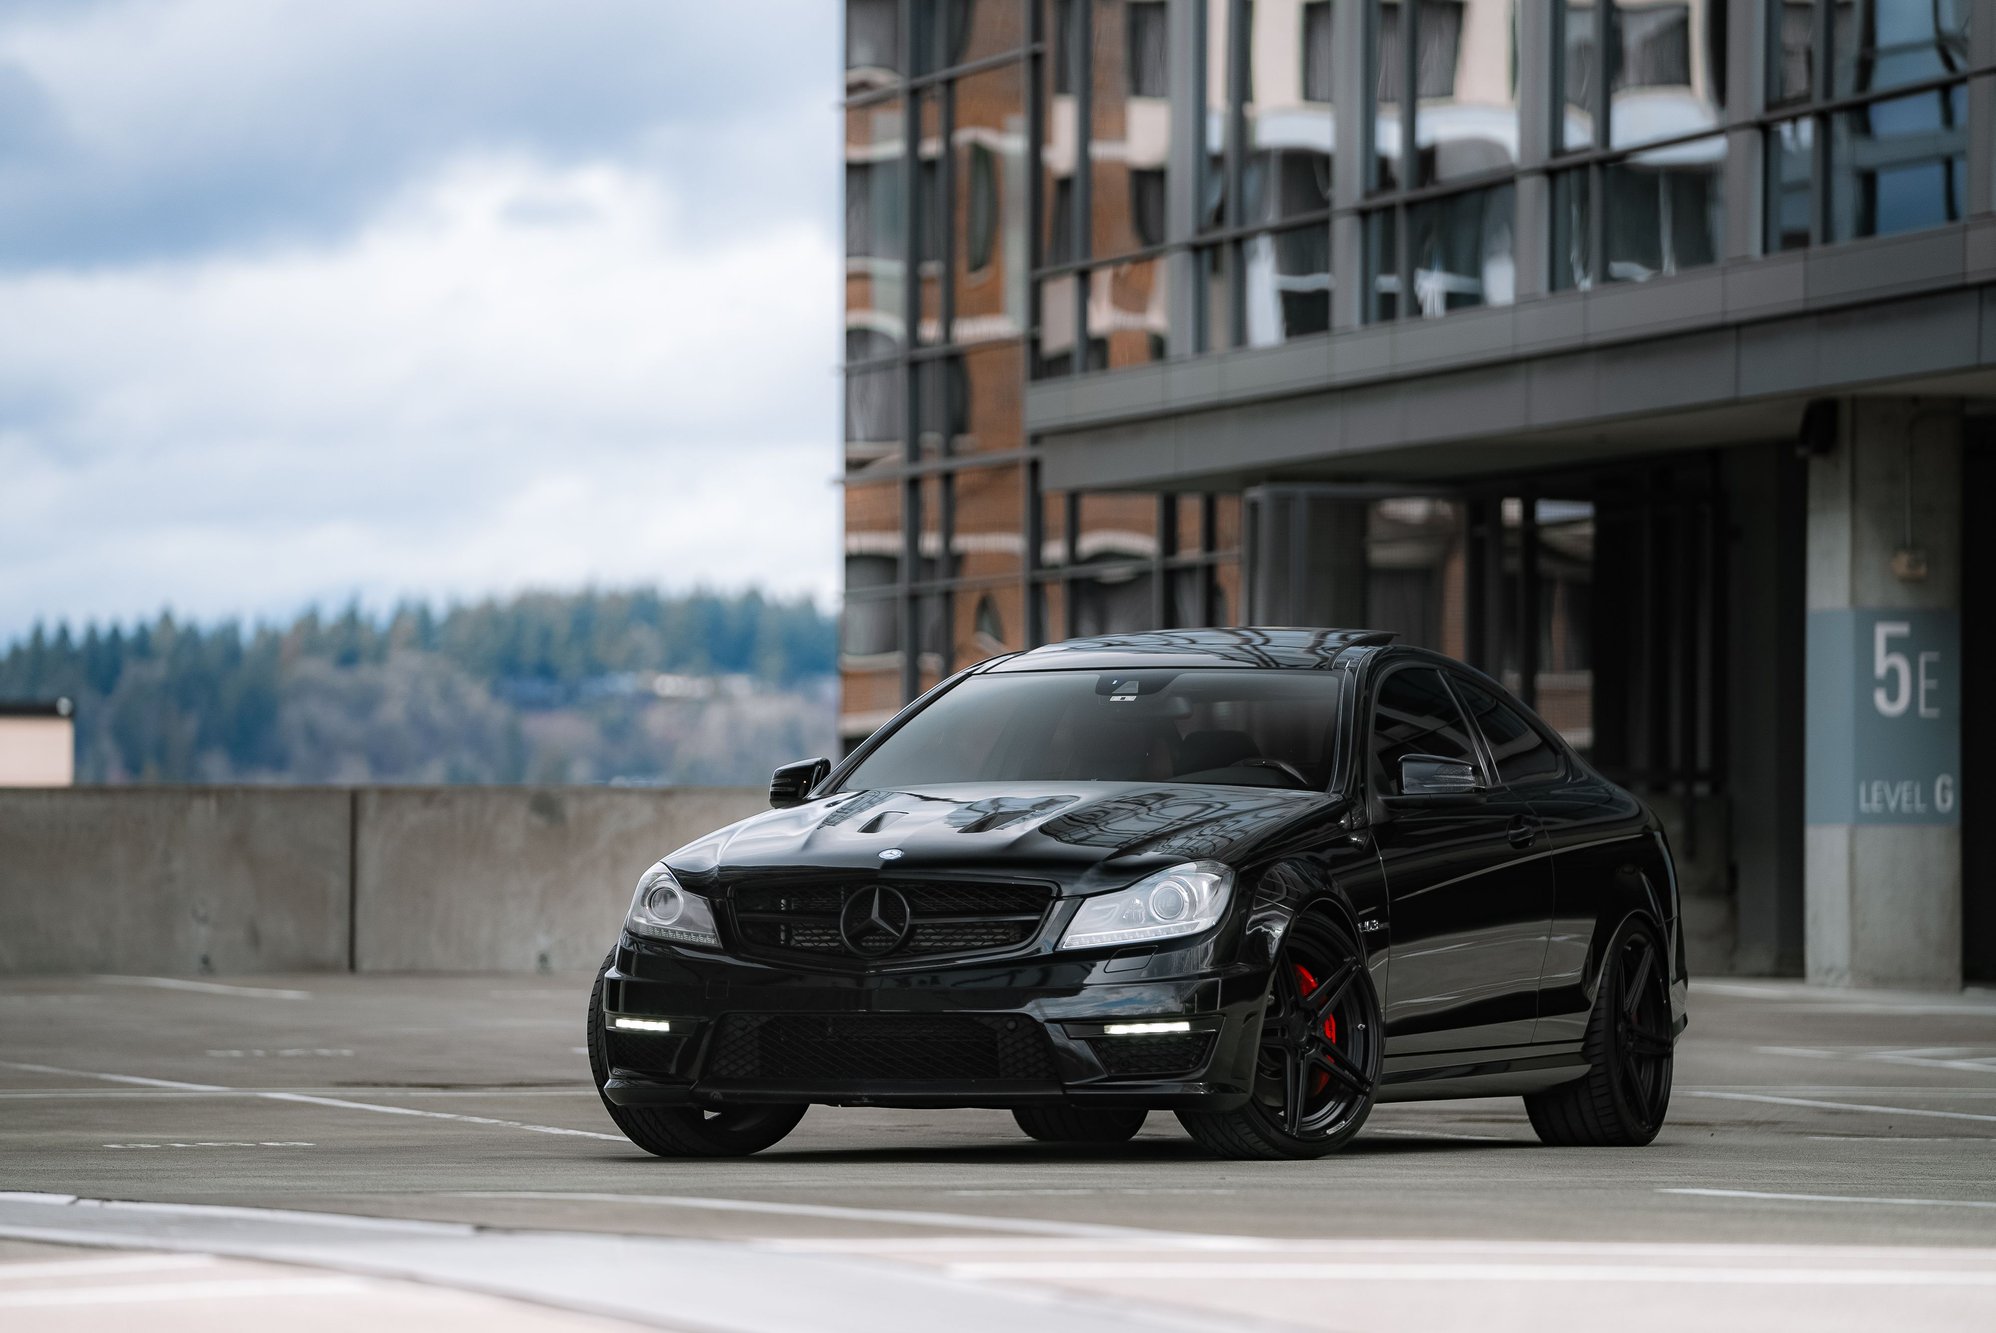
[1543, 332]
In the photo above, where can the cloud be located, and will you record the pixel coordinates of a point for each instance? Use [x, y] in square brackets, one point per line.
[177, 128]
[308, 300]
[514, 375]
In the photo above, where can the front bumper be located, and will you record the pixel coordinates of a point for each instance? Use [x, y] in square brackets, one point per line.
[1029, 1031]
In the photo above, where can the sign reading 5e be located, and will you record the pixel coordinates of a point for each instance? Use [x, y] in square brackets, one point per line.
[1884, 722]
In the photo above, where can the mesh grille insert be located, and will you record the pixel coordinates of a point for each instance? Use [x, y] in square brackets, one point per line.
[1165, 1053]
[939, 1048]
[650, 1052]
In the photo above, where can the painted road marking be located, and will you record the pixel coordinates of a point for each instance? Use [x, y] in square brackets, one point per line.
[1963, 1058]
[154, 1292]
[310, 1100]
[208, 987]
[232, 1212]
[1844, 1106]
[124, 1263]
[1446, 1134]
[1830, 1198]
[283, 1053]
[1424, 1271]
[836, 1212]
[220, 1143]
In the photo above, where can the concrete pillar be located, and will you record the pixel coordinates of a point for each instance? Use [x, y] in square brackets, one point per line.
[1882, 844]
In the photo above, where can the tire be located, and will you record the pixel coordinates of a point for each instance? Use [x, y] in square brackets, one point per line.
[1317, 1064]
[684, 1131]
[1069, 1124]
[1622, 1101]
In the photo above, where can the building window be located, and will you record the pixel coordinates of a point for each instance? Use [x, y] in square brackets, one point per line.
[1148, 47]
[873, 43]
[1265, 272]
[1645, 196]
[1877, 142]
[981, 225]
[1103, 296]
[1427, 252]
[1317, 76]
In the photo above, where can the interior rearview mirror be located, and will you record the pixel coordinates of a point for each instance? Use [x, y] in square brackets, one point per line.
[1432, 775]
[791, 784]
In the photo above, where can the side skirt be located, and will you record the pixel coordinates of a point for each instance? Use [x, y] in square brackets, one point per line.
[1492, 1072]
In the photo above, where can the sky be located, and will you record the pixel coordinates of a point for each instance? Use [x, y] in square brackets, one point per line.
[306, 301]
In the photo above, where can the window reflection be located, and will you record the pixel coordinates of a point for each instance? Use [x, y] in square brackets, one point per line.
[1899, 165]
[1791, 50]
[1881, 45]
[1129, 143]
[1790, 164]
[1463, 251]
[1128, 312]
[876, 212]
[873, 43]
[1288, 284]
[1664, 210]
[1666, 78]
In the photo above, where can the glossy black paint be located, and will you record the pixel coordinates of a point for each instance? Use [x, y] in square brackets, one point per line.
[1483, 916]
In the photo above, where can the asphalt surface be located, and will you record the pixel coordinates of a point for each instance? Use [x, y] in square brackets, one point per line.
[1830, 1163]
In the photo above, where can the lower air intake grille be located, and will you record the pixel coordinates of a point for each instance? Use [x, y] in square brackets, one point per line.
[645, 1052]
[805, 1048]
[1168, 1053]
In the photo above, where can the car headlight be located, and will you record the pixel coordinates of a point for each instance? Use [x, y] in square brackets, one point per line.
[1183, 900]
[662, 910]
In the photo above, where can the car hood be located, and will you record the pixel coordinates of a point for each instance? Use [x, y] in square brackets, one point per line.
[1084, 836]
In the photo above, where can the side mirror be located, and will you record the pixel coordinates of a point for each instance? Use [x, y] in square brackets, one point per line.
[791, 784]
[1432, 775]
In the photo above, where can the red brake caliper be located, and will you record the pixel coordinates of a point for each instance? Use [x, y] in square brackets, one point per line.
[1309, 983]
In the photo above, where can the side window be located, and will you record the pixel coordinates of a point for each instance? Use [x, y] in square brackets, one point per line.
[1519, 750]
[1413, 713]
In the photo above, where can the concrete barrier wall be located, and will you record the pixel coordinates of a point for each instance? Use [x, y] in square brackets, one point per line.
[174, 879]
[513, 879]
[234, 880]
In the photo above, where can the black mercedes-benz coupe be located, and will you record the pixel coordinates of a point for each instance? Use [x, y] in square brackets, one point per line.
[1263, 878]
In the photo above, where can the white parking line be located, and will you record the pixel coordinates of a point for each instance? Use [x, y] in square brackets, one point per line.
[884, 1216]
[1830, 1198]
[123, 1263]
[1844, 1106]
[308, 1099]
[208, 987]
[1423, 1271]
[156, 1292]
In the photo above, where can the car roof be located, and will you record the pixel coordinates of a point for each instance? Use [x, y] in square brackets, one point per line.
[1244, 646]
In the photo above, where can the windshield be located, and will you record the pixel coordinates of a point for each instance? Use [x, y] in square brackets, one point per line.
[1228, 726]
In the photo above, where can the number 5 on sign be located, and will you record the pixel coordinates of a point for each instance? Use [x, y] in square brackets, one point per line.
[1907, 685]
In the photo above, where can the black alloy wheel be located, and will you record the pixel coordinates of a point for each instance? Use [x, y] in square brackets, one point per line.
[1622, 1101]
[1317, 1064]
[684, 1131]
[1080, 1124]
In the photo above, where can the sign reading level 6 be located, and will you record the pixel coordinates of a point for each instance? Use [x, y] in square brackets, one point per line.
[1884, 717]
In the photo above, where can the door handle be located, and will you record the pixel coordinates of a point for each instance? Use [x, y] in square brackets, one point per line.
[1524, 831]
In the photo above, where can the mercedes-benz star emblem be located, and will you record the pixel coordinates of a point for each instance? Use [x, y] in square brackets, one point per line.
[891, 854]
[874, 921]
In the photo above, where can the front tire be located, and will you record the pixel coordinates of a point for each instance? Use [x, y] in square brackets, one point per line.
[1069, 1124]
[1622, 1101]
[684, 1131]
[1317, 1065]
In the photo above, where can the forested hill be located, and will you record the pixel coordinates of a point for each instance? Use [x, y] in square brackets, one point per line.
[545, 687]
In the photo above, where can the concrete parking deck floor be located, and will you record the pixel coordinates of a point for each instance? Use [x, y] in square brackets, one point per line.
[1830, 1163]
